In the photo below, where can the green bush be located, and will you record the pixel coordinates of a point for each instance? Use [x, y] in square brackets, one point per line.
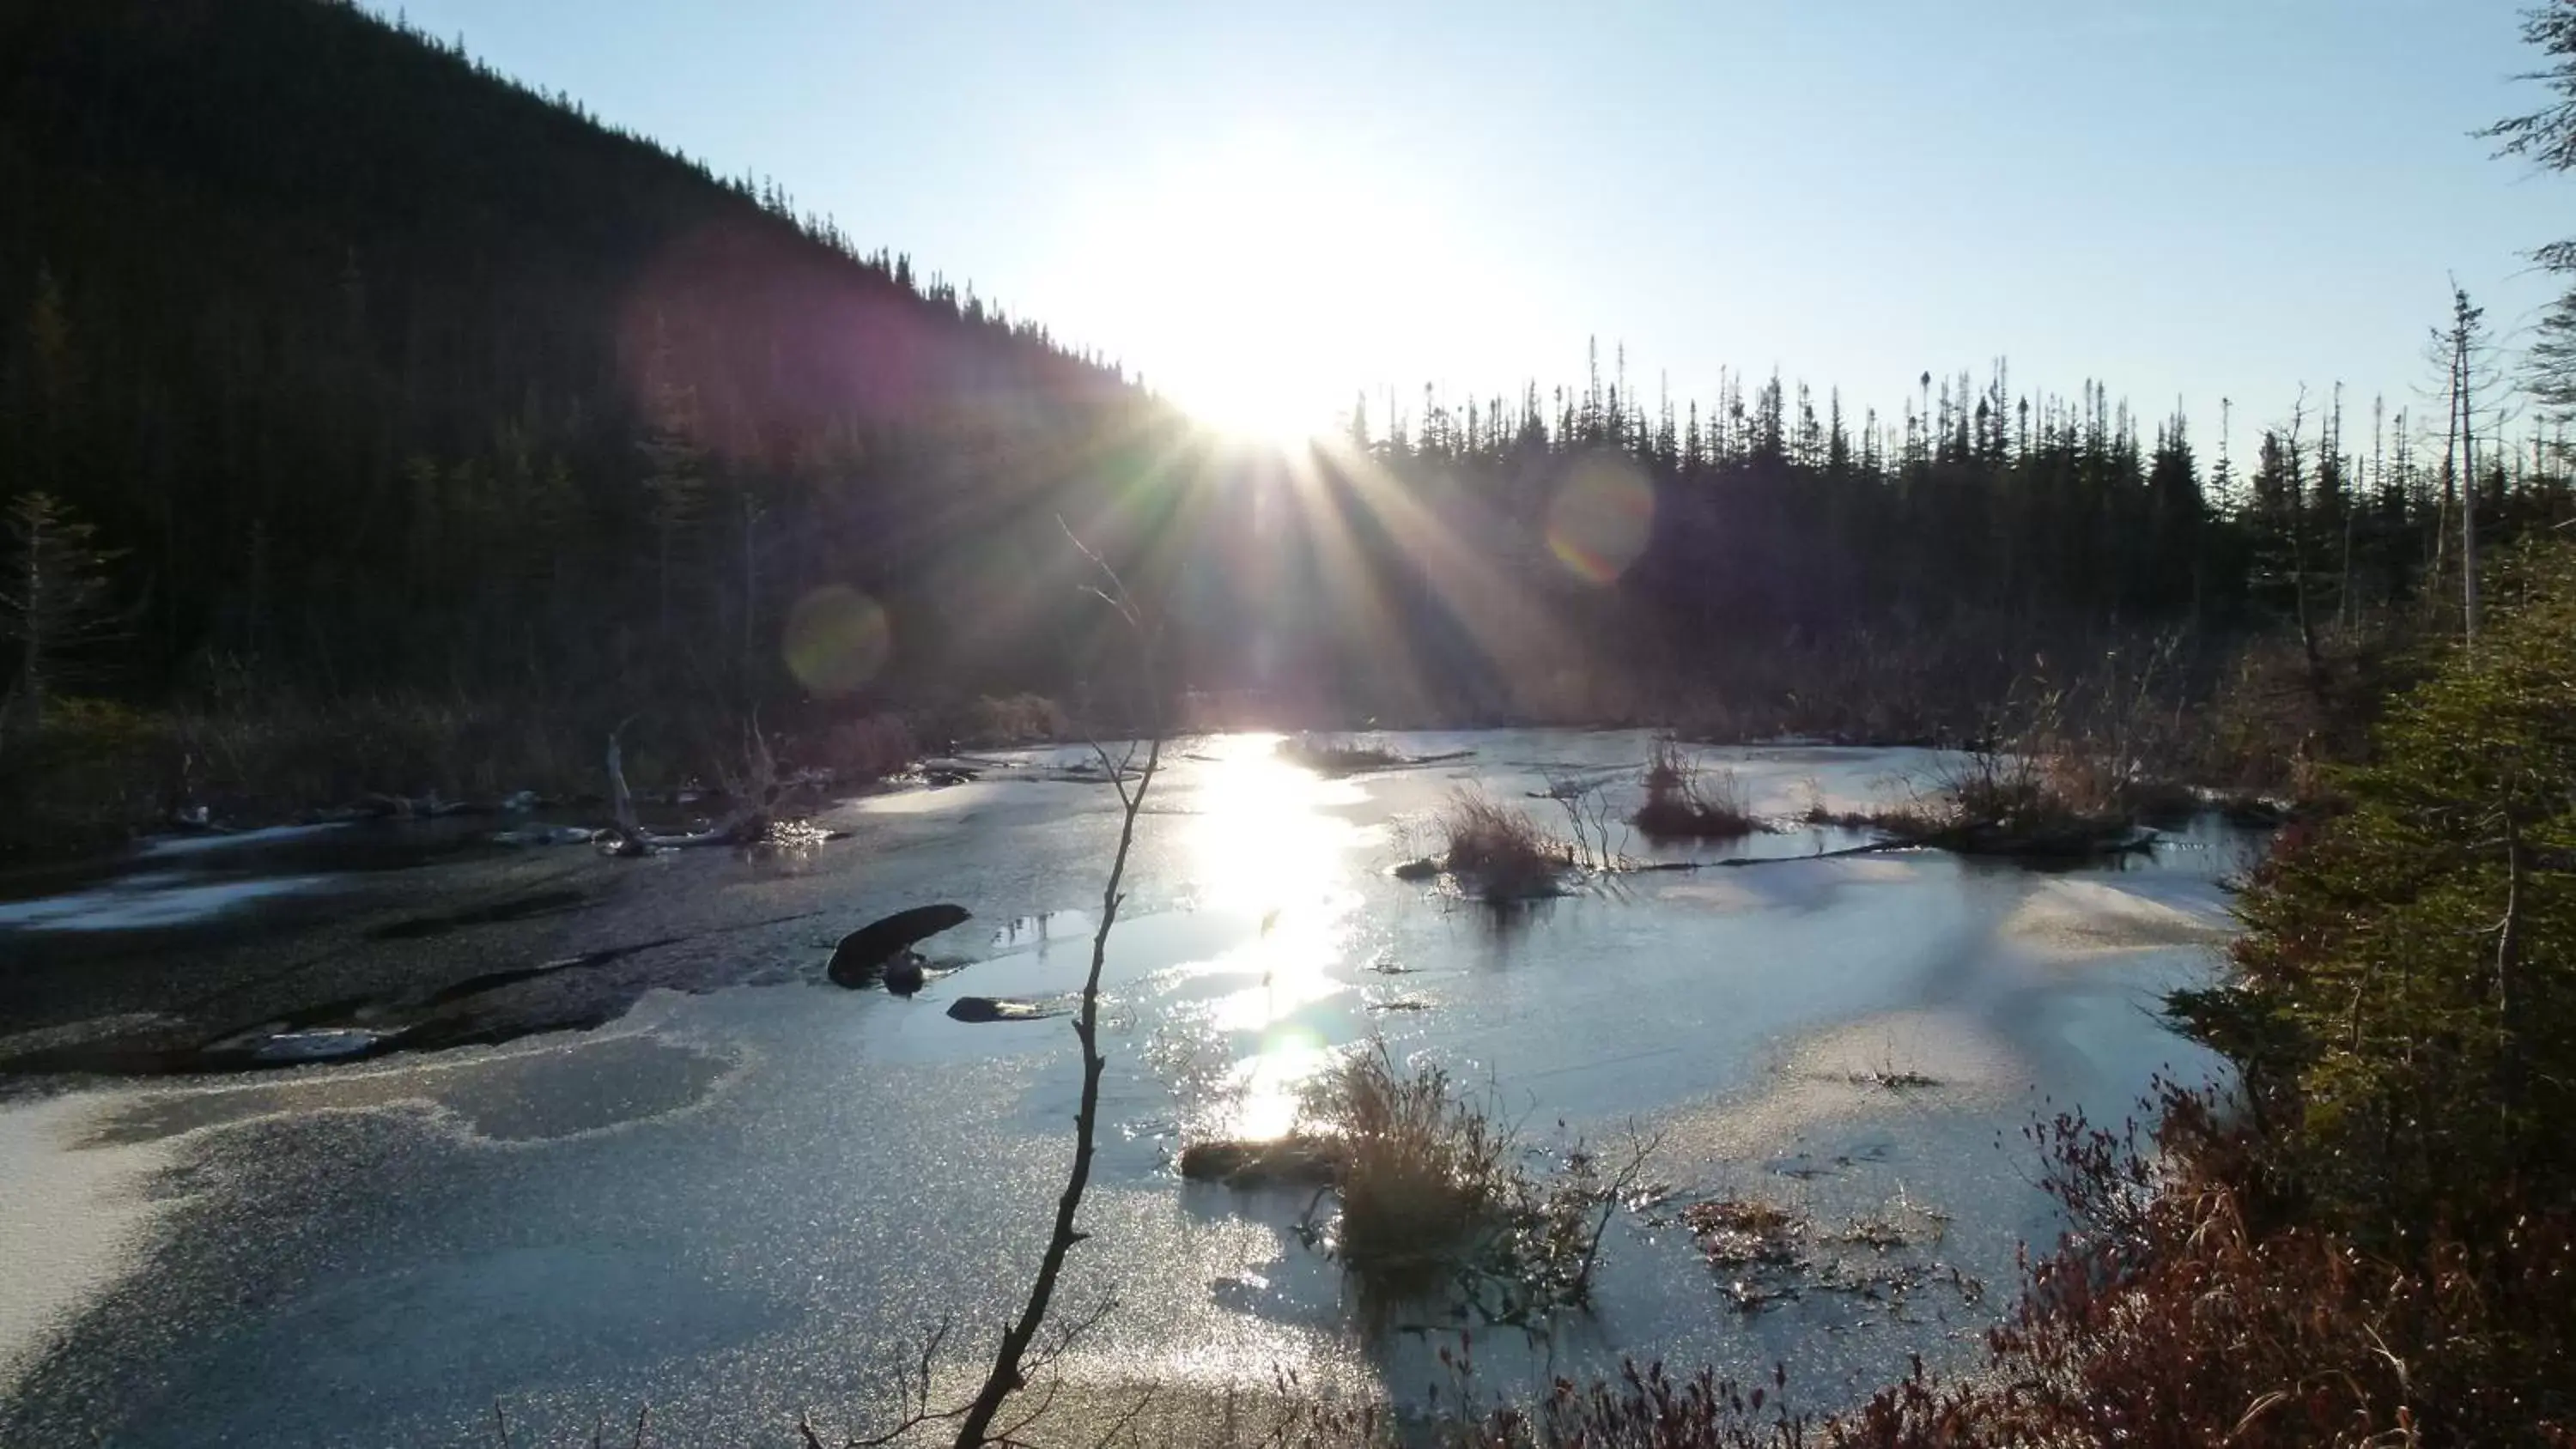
[2408, 1009]
[86, 778]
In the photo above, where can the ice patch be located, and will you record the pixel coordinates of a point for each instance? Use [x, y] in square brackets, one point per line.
[227, 840]
[72, 1220]
[2085, 918]
[146, 902]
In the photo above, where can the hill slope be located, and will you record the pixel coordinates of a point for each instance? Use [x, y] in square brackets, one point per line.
[385, 371]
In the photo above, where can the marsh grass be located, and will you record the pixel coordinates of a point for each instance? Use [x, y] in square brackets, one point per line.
[1437, 1204]
[1685, 801]
[1426, 1173]
[1334, 755]
[1999, 802]
[1497, 852]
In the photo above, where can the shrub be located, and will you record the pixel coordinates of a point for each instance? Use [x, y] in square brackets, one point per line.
[90, 773]
[1331, 755]
[1684, 801]
[1497, 852]
[1019, 719]
[2410, 975]
[1424, 1173]
[1997, 802]
[870, 747]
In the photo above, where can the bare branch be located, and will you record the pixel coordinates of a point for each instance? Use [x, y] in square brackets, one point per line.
[1007, 1375]
[1119, 1425]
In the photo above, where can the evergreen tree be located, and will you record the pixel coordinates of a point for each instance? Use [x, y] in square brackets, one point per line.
[2548, 137]
[54, 602]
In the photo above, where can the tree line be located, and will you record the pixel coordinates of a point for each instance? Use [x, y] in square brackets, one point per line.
[377, 371]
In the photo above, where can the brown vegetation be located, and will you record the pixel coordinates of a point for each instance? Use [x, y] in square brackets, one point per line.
[1435, 1200]
[1497, 852]
[1687, 802]
[95, 773]
[1424, 1170]
[1334, 755]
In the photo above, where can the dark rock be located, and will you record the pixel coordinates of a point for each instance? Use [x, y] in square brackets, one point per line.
[865, 952]
[320, 1044]
[903, 974]
[986, 1008]
[1292, 1161]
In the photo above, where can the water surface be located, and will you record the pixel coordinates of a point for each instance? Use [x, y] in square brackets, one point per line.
[749, 1191]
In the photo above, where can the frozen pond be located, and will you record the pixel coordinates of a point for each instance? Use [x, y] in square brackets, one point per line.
[743, 1198]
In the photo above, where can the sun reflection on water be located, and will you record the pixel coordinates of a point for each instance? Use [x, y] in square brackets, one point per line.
[1269, 1085]
[1265, 847]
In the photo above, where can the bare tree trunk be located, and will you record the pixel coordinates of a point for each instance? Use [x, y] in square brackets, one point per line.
[2450, 481]
[2468, 505]
[1005, 1377]
[2464, 338]
[621, 800]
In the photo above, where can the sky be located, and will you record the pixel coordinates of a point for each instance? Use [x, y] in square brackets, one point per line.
[1267, 209]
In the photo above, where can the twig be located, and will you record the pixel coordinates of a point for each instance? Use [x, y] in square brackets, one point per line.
[1119, 1424]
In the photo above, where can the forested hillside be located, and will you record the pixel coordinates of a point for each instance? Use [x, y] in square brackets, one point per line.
[384, 372]
[390, 389]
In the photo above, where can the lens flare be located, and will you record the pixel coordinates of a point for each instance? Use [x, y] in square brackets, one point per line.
[1600, 520]
[837, 640]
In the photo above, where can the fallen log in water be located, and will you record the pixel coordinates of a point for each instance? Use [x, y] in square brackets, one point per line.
[864, 954]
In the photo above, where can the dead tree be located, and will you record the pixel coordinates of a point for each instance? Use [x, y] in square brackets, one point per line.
[2464, 341]
[1006, 1375]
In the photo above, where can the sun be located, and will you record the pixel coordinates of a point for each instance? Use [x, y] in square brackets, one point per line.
[1252, 284]
[1249, 404]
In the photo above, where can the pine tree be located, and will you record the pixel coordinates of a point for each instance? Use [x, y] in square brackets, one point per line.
[2548, 137]
[54, 604]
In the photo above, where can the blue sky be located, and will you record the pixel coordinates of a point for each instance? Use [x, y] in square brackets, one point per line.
[1265, 208]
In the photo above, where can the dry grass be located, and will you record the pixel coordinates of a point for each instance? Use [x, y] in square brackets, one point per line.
[1425, 1172]
[998, 722]
[869, 747]
[1496, 851]
[1334, 755]
[1436, 1202]
[1686, 802]
[1995, 803]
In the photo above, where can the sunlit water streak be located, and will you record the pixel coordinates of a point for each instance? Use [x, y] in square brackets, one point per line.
[1263, 842]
